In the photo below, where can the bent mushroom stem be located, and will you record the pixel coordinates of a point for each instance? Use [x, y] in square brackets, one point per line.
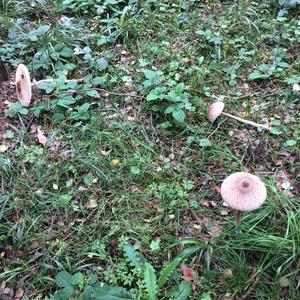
[246, 121]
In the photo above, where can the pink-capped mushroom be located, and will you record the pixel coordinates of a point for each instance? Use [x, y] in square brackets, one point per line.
[216, 109]
[244, 192]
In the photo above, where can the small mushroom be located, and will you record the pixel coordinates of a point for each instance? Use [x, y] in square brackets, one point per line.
[23, 85]
[244, 192]
[216, 109]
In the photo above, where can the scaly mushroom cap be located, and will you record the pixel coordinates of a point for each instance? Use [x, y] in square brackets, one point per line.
[214, 110]
[243, 191]
[23, 85]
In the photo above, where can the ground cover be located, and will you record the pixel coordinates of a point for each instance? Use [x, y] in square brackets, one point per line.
[110, 183]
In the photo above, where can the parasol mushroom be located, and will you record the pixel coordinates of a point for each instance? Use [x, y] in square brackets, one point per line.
[216, 109]
[244, 192]
[23, 85]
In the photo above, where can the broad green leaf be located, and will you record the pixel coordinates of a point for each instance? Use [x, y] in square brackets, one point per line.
[182, 291]
[42, 29]
[256, 75]
[66, 52]
[93, 93]
[205, 296]
[204, 142]
[152, 96]
[275, 131]
[84, 107]
[77, 278]
[150, 281]
[135, 170]
[178, 115]
[104, 292]
[23, 111]
[149, 74]
[290, 143]
[62, 201]
[66, 101]
[99, 80]
[154, 246]
[102, 63]
[8, 134]
[63, 279]
[169, 109]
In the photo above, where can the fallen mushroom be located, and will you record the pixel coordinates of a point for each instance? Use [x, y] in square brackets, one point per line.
[24, 84]
[243, 192]
[216, 109]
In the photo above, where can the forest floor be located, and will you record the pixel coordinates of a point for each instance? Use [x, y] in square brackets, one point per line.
[110, 184]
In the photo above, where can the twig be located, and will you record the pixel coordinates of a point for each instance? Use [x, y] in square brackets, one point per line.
[251, 288]
[214, 130]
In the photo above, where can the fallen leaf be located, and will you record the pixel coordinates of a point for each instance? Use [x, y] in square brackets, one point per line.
[224, 212]
[105, 153]
[93, 203]
[19, 293]
[115, 162]
[216, 230]
[3, 148]
[41, 137]
[284, 282]
[217, 188]
[188, 274]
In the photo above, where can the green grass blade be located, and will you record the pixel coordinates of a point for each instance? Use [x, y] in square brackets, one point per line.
[174, 263]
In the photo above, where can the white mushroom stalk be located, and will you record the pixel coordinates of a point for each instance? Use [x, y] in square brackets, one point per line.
[216, 109]
[36, 83]
[244, 192]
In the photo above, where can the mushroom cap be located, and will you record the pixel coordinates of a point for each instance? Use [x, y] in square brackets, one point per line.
[23, 85]
[243, 191]
[214, 110]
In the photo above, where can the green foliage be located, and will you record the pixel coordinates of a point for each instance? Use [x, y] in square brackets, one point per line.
[16, 108]
[182, 291]
[133, 257]
[115, 168]
[75, 284]
[150, 281]
[169, 98]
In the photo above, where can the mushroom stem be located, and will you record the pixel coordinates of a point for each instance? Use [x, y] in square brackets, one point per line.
[238, 222]
[52, 80]
[246, 121]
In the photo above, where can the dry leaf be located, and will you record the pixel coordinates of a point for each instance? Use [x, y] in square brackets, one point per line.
[217, 188]
[3, 148]
[41, 137]
[188, 274]
[115, 162]
[93, 203]
[19, 293]
[105, 153]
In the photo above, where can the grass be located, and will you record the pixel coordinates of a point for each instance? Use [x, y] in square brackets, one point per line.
[122, 188]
